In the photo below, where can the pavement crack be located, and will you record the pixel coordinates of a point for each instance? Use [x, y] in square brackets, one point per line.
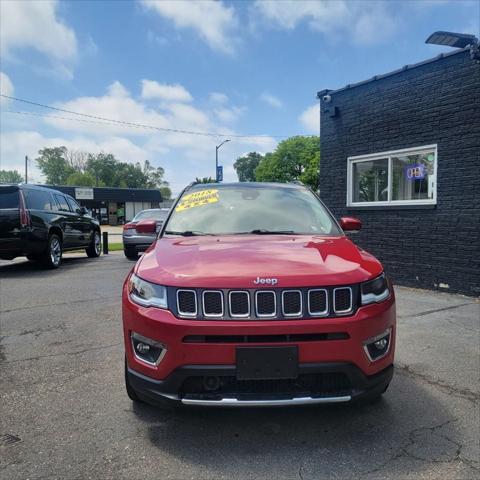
[300, 474]
[410, 442]
[94, 299]
[463, 393]
[77, 352]
[436, 310]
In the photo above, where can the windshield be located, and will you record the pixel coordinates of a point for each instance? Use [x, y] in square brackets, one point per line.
[259, 209]
[151, 215]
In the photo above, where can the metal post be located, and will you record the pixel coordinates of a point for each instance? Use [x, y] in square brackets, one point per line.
[26, 168]
[216, 158]
[105, 243]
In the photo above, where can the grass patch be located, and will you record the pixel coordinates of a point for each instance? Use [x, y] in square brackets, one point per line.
[115, 247]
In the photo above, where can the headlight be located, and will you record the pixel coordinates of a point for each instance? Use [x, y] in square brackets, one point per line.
[375, 290]
[147, 294]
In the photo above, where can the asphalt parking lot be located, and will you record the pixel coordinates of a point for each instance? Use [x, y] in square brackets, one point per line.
[65, 414]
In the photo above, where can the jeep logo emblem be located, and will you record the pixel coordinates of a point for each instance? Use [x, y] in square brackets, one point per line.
[265, 281]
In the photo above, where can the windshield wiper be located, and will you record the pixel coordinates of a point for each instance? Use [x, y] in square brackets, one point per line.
[262, 231]
[187, 233]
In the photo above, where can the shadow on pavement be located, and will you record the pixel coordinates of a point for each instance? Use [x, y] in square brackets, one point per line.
[340, 441]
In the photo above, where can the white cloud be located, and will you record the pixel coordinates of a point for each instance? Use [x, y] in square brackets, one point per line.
[211, 20]
[6, 87]
[163, 91]
[271, 100]
[183, 156]
[36, 25]
[156, 39]
[229, 115]
[218, 97]
[15, 145]
[363, 22]
[310, 119]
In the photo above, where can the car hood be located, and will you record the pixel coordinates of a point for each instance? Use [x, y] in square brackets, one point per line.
[237, 261]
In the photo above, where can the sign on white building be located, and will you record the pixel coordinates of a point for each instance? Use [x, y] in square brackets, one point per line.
[84, 193]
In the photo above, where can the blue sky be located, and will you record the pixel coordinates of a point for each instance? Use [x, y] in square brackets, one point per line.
[236, 68]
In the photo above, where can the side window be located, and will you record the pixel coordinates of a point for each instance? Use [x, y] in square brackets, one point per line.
[74, 206]
[38, 199]
[62, 203]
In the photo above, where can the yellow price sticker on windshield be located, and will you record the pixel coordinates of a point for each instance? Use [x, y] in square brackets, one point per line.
[197, 199]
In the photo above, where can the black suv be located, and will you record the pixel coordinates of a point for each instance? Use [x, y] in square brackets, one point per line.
[41, 223]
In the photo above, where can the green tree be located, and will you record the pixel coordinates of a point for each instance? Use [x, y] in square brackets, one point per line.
[103, 168]
[296, 158]
[10, 176]
[204, 180]
[80, 179]
[54, 166]
[166, 192]
[245, 166]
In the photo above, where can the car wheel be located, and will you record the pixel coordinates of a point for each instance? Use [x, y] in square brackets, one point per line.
[373, 398]
[53, 255]
[130, 253]
[95, 247]
[132, 395]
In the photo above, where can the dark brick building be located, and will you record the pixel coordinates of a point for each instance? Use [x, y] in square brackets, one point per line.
[401, 152]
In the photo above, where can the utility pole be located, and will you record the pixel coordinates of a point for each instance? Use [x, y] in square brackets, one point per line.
[26, 168]
[216, 159]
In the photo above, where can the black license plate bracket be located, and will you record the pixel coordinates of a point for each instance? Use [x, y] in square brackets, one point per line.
[265, 363]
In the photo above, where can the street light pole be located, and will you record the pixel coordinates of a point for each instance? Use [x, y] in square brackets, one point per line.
[216, 159]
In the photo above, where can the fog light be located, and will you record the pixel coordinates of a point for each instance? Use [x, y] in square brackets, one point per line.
[142, 347]
[381, 344]
[147, 350]
[378, 346]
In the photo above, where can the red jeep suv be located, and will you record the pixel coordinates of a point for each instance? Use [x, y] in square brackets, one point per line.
[252, 295]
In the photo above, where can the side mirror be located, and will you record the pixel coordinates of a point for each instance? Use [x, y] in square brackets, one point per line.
[350, 224]
[82, 211]
[146, 226]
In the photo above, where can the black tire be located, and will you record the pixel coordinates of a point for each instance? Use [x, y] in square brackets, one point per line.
[52, 257]
[132, 395]
[95, 247]
[372, 398]
[130, 253]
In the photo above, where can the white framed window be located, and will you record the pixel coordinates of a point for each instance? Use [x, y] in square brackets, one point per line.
[398, 177]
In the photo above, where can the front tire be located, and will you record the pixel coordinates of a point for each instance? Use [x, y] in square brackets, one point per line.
[95, 247]
[130, 253]
[52, 258]
[132, 395]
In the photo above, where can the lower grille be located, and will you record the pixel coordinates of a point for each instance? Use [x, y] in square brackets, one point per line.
[321, 384]
[285, 338]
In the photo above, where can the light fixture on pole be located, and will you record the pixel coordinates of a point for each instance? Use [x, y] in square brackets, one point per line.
[216, 158]
[456, 40]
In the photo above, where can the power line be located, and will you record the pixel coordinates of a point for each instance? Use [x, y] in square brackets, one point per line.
[105, 120]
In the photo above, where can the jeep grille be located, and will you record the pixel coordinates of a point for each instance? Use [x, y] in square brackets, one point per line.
[264, 304]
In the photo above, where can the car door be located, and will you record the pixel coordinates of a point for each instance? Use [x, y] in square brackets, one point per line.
[82, 222]
[69, 222]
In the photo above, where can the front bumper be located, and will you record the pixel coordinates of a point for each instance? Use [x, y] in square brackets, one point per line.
[171, 389]
[331, 356]
[138, 242]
